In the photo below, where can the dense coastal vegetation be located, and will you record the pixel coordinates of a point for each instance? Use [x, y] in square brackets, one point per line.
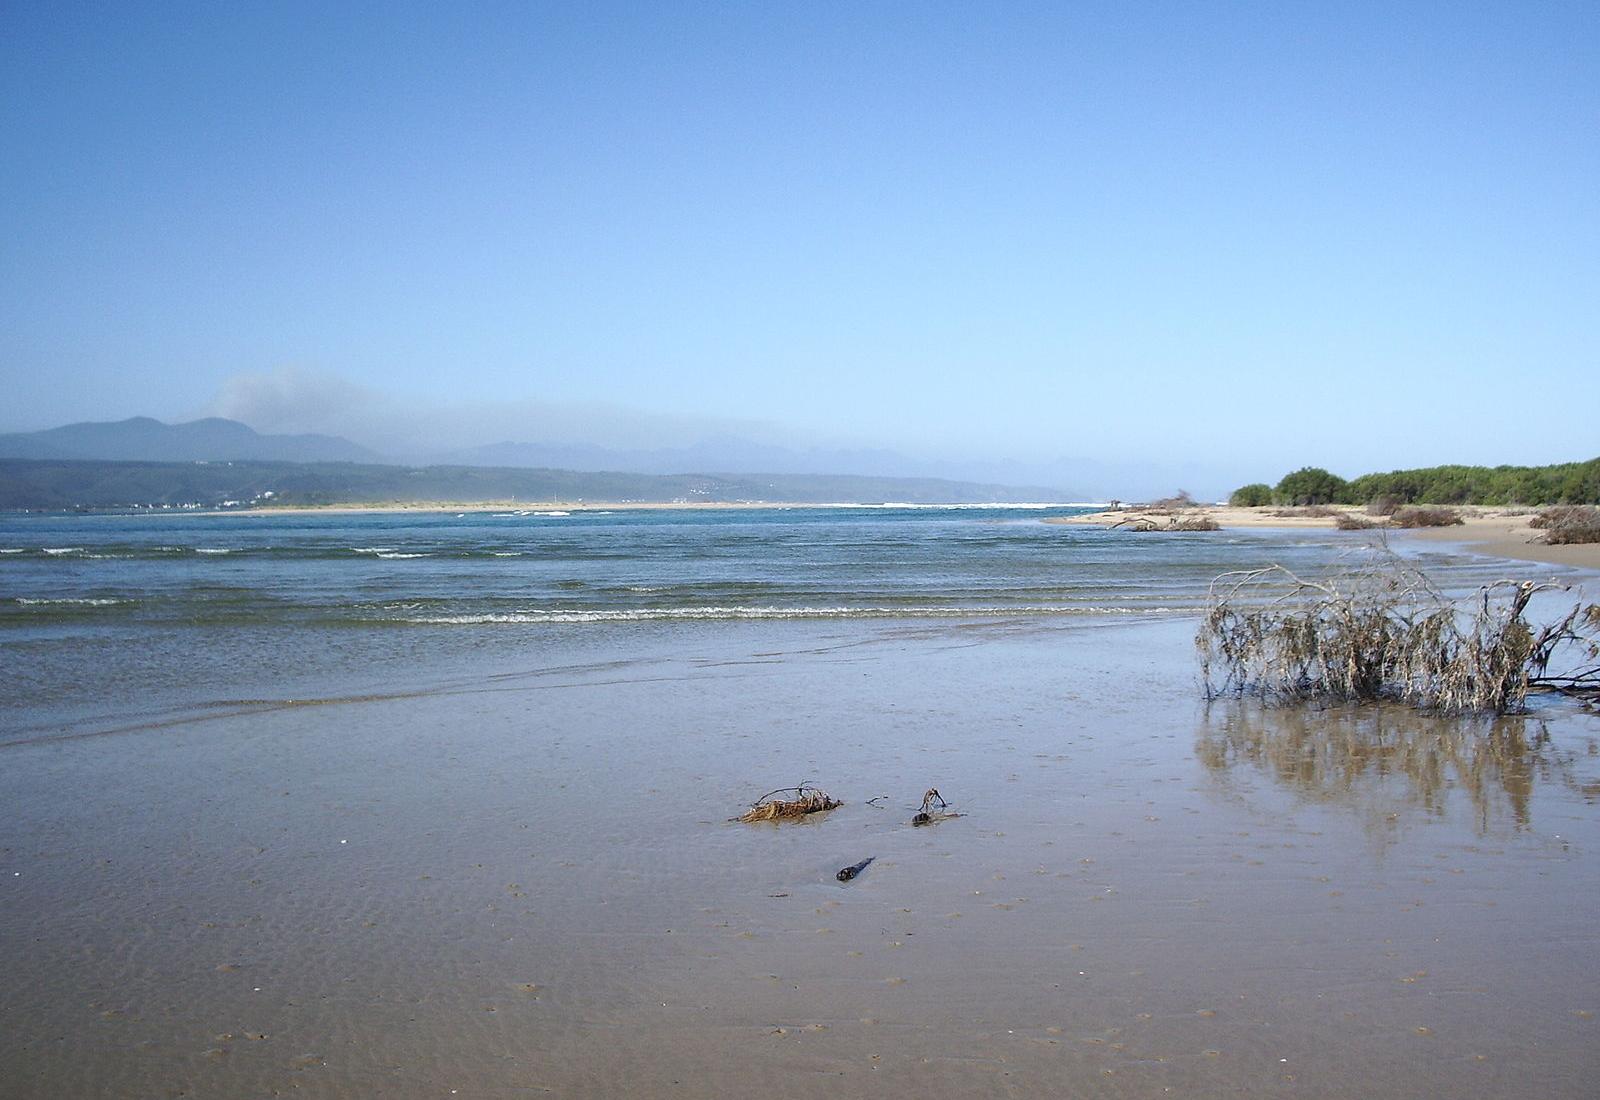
[1563, 483]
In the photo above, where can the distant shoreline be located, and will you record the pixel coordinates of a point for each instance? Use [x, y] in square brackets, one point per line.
[425, 507]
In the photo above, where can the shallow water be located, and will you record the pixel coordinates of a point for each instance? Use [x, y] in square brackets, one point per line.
[107, 621]
[521, 879]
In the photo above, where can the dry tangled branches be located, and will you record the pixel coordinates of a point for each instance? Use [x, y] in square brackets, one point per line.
[1426, 517]
[804, 800]
[1308, 511]
[1568, 524]
[1144, 524]
[1383, 631]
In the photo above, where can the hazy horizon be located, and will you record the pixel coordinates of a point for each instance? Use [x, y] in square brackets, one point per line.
[1207, 245]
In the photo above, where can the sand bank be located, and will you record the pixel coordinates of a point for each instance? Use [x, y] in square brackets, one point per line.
[1509, 536]
[1498, 532]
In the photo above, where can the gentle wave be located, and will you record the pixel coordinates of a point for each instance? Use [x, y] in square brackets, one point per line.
[68, 601]
[656, 614]
[124, 553]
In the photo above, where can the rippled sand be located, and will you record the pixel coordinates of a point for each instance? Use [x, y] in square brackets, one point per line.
[527, 884]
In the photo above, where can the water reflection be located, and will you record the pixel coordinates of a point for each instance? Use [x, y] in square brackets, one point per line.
[1381, 761]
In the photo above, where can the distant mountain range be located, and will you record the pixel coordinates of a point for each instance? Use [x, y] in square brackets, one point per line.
[214, 462]
[142, 439]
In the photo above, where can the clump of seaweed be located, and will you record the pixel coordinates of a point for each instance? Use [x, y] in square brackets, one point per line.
[803, 800]
[1383, 631]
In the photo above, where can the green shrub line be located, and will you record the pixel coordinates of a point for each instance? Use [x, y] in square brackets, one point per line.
[1563, 483]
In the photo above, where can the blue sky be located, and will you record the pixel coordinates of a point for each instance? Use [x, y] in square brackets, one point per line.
[1257, 235]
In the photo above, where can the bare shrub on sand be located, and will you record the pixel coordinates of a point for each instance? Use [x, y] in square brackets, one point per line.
[1383, 631]
[1145, 524]
[1194, 523]
[1308, 511]
[1573, 534]
[1568, 524]
[1349, 521]
[1172, 504]
[1427, 517]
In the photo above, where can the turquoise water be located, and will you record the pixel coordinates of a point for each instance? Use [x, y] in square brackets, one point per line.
[120, 614]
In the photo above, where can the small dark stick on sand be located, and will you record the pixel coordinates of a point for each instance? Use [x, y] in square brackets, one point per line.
[852, 871]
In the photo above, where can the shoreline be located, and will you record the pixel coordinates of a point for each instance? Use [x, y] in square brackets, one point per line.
[1491, 531]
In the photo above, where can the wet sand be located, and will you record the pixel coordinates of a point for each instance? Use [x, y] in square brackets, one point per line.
[1510, 537]
[527, 884]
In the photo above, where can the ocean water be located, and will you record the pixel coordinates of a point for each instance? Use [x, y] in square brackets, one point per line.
[123, 616]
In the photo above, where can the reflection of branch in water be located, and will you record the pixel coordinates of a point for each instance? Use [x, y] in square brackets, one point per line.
[1381, 759]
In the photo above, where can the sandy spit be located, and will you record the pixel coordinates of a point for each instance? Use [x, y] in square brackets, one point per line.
[1501, 532]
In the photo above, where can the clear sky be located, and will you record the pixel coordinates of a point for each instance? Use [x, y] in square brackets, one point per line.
[1262, 234]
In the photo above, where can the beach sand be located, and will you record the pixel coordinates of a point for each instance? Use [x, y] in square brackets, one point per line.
[524, 882]
[1496, 532]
